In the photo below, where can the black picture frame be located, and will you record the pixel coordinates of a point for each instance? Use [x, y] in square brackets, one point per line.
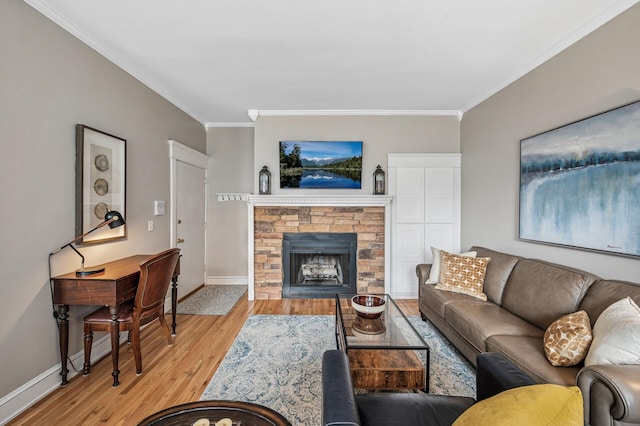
[101, 164]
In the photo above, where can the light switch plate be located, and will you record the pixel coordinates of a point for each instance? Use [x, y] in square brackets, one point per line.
[158, 208]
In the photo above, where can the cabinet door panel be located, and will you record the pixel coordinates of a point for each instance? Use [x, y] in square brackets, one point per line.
[410, 195]
[439, 195]
[440, 236]
[409, 251]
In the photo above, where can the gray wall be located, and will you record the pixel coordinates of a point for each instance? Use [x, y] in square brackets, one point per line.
[380, 135]
[598, 73]
[238, 154]
[230, 170]
[49, 81]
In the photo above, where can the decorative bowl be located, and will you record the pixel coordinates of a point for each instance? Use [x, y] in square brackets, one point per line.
[368, 306]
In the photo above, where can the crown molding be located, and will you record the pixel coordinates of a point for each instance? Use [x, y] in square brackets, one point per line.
[57, 18]
[211, 125]
[254, 114]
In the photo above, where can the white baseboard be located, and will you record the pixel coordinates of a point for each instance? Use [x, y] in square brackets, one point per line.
[406, 295]
[14, 403]
[37, 388]
[227, 280]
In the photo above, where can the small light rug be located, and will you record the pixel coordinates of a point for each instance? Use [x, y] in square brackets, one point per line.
[212, 300]
[276, 361]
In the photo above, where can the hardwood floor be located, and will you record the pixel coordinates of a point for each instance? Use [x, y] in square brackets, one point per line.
[171, 374]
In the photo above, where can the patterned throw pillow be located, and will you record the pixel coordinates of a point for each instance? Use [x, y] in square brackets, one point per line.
[434, 273]
[567, 340]
[463, 274]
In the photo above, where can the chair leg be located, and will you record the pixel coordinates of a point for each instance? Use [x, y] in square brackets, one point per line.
[165, 329]
[88, 342]
[137, 354]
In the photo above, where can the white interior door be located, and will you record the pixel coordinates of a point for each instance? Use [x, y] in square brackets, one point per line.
[190, 226]
[188, 170]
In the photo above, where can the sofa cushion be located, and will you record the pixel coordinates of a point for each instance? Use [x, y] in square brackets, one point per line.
[478, 321]
[541, 292]
[527, 353]
[616, 335]
[437, 300]
[567, 339]
[462, 274]
[529, 405]
[498, 271]
[603, 293]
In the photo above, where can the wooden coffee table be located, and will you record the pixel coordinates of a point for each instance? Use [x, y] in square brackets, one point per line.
[384, 353]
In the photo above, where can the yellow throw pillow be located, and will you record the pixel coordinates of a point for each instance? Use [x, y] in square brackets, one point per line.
[567, 340]
[463, 274]
[527, 405]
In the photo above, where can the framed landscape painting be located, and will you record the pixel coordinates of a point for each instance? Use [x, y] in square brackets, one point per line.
[321, 165]
[580, 184]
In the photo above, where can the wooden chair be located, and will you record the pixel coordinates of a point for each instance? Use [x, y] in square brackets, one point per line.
[155, 277]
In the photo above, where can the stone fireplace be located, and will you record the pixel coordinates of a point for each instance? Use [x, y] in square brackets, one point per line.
[365, 218]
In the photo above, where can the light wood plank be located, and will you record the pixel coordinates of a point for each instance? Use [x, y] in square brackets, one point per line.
[171, 375]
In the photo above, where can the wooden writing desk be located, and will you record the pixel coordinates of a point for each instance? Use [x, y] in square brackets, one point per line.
[117, 284]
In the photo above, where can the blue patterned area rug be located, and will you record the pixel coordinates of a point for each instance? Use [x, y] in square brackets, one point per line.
[212, 300]
[276, 361]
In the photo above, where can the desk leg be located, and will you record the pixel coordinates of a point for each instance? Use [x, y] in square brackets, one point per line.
[115, 343]
[174, 303]
[63, 334]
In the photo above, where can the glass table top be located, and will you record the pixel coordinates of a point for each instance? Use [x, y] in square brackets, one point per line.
[392, 330]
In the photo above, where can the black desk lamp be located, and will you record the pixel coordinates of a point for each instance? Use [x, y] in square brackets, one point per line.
[113, 219]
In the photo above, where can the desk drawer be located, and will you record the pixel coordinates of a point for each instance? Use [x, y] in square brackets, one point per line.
[129, 293]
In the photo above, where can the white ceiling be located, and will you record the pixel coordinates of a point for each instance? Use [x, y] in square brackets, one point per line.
[217, 60]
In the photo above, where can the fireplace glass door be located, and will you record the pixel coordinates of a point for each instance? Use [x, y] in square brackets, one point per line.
[319, 264]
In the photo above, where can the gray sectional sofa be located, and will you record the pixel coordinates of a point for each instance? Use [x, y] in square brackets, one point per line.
[524, 297]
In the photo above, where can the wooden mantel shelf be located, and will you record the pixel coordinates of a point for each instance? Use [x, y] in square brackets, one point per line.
[319, 200]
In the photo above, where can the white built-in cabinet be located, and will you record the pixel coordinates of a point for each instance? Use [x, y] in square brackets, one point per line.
[425, 212]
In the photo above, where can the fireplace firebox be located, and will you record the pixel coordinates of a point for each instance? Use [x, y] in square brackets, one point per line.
[319, 265]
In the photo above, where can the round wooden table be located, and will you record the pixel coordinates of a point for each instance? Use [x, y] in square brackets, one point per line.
[240, 413]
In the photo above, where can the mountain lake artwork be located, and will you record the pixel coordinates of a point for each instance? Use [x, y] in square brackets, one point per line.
[320, 164]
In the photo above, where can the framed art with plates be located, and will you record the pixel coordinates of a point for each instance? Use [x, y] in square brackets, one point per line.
[100, 182]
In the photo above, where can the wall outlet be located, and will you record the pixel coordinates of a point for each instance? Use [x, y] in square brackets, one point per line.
[150, 225]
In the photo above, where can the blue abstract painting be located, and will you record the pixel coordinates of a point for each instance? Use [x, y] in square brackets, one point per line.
[580, 184]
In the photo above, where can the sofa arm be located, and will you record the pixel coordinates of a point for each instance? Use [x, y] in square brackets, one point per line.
[422, 271]
[496, 373]
[338, 400]
[610, 392]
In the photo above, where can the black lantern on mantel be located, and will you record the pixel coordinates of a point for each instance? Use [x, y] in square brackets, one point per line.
[264, 181]
[378, 181]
